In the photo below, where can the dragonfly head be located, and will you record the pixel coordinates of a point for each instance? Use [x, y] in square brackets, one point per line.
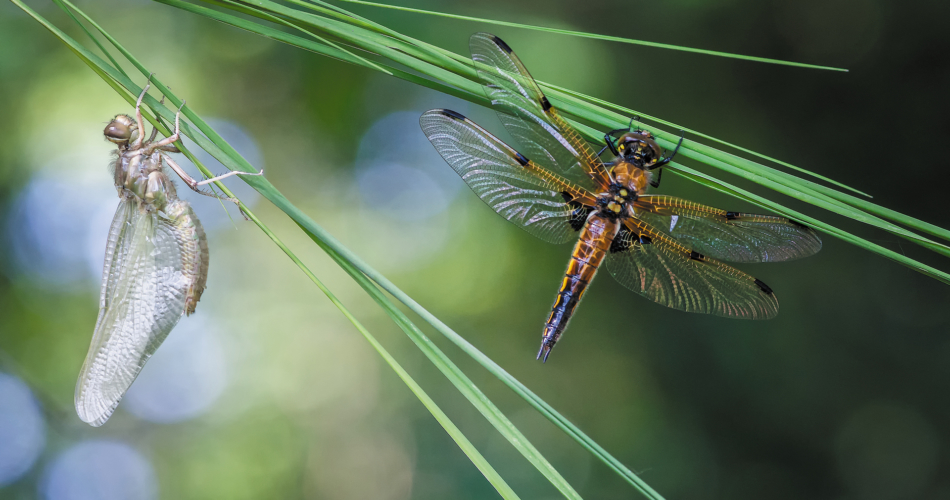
[639, 148]
[120, 129]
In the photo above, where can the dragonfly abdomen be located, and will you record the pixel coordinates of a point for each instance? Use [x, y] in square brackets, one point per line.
[589, 252]
[194, 250]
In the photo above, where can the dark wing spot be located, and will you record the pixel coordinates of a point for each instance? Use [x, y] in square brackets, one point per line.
[697, 256]
[623, 241]
[501, 44]
[645, 240]
[452, 114]
[732, 215]
[799, 224]
[521, 159]
[579, 215]
[545, 104]
[765, 288]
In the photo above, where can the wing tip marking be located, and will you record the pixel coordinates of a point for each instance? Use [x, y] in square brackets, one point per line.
[761, 284]
[501, 44]
[545, 104]
[452, 114]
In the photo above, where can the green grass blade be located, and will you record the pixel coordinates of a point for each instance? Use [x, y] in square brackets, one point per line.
[750, 197]
[95, 40]
[450, 428]
[451, 371]
[559, 420]
[409, 46]
[758, 173]
[768, 177]
[257, 13]
[888, 214]
[596, 36]
[627, 113]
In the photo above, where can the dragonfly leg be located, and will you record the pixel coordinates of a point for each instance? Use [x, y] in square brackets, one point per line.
[172, 138]
[152, 137]
[195, 185]
[669, 158]
[656, 182]
[155, 129]
[609, 140]
[138, 114]
[608, 137]
[229, 174]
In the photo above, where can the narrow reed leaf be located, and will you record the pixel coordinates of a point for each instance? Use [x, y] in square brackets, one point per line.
[627, 112]
[94, 39]
[294, 26]
[596, 36]
[750, 197]
[451, 371]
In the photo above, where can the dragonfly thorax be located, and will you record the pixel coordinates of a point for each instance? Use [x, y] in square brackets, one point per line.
[139, 174]
[615, 202]
[631, 177]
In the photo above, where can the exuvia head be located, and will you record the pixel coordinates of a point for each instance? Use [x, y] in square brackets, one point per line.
[120, 129]
[640, 148]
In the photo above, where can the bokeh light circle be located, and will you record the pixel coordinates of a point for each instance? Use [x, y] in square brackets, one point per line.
[22, 429]
[99, 470]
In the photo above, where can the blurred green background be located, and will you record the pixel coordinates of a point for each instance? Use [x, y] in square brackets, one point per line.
[268, 392]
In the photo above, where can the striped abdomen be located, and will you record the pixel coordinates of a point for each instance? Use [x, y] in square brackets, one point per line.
[592, 246]
[194, 250]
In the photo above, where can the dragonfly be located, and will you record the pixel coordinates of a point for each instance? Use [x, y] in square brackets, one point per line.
[155, 268]
[667, 249]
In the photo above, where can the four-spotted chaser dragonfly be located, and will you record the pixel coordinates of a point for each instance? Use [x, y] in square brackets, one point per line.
[156, 265]
[661, 247]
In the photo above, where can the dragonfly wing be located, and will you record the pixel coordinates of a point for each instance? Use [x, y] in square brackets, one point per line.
[729, 236]
[661, 269]
[528, 115]
[509, 183]
[144, 297]
[117, 249]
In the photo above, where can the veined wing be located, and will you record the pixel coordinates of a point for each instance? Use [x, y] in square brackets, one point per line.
[528, 115]
[729, 236]
[144, 294]
[541, 202]
[656, 266]
[117, 249]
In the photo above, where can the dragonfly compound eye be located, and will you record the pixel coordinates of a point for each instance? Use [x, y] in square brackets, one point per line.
[119, 129]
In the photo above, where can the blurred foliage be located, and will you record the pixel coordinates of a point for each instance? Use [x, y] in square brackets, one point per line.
[841, 396]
